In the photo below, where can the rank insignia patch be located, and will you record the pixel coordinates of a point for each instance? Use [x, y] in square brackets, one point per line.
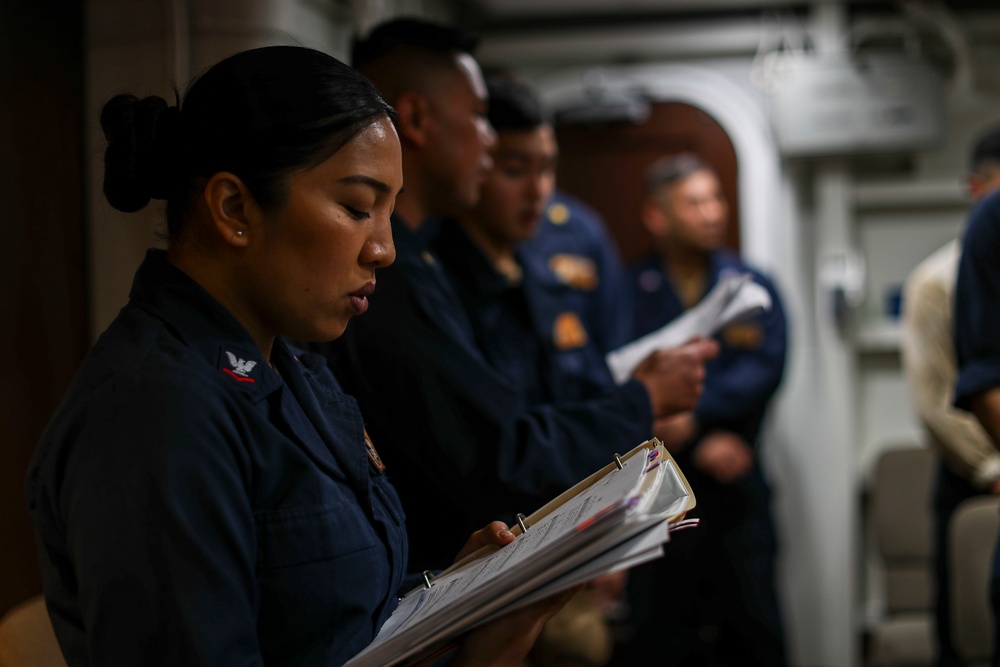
[558, 214]
[239, 369]
[568, 332]
[575, 270]
[747, 336]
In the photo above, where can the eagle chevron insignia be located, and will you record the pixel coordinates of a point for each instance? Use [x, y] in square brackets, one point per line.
[240, 366]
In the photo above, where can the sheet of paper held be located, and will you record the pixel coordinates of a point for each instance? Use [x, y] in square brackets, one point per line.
[734, 296]
[556, 544]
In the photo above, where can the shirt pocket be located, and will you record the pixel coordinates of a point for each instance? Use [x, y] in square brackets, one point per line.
[297, 536]
[323, 578]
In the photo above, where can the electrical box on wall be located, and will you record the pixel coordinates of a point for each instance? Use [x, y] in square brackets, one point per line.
[850, 104]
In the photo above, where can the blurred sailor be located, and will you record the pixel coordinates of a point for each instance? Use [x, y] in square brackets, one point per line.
[969, 463]
[577, 261]
[728, 563]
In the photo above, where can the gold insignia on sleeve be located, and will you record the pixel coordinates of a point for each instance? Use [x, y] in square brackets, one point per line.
[373, 455]
[575, 270]
[558, 214]
[744, 335]
[568, 332]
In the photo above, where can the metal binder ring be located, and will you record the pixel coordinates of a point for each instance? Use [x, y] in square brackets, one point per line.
[428, 579]
[618, 462]
[521, 523]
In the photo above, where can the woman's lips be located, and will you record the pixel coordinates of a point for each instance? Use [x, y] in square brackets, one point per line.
[359, 304]
[359, 299]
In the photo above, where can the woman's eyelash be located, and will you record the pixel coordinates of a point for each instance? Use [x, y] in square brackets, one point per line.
[355, 213]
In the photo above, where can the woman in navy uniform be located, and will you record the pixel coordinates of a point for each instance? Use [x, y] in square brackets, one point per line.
[206, 494]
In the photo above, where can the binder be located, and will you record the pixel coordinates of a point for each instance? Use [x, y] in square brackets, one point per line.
[618, 517]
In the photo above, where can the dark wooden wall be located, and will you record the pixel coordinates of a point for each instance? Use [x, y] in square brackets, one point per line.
[43, 327]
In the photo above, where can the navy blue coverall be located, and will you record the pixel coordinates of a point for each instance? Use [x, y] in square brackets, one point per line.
[726, 565]
[195, 507]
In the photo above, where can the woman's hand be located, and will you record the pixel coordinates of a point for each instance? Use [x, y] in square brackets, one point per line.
[607, 590]
[505, 641]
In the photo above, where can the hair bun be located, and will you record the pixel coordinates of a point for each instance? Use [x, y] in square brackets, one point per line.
[139, 163]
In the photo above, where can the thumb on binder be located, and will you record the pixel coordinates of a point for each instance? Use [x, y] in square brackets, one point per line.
[495, 533]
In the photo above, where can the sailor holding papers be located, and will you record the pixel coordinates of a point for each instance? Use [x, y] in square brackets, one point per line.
[729, 561]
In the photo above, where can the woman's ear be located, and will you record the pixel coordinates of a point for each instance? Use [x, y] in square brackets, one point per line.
[231, 207]
[413, 109]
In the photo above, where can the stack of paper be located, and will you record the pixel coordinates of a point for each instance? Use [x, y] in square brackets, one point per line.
[617, 518]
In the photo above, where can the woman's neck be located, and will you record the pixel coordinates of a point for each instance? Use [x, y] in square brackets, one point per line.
[210, 273]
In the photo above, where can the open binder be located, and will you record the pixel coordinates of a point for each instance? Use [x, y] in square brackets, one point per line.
[617, 518]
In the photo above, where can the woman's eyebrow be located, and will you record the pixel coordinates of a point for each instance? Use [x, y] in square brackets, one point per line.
[369, 181]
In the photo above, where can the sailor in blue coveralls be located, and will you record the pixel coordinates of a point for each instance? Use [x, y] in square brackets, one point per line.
[573, 258]
[728, 563]
[206, 495]
[528, 308]
[977, 345]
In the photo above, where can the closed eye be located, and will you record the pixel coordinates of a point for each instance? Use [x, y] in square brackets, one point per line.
[356, 214]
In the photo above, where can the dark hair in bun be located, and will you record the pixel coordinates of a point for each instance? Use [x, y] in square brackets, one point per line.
[261, 114]
[138, 161]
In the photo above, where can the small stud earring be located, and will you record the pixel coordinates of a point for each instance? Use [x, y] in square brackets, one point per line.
[239, 233]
